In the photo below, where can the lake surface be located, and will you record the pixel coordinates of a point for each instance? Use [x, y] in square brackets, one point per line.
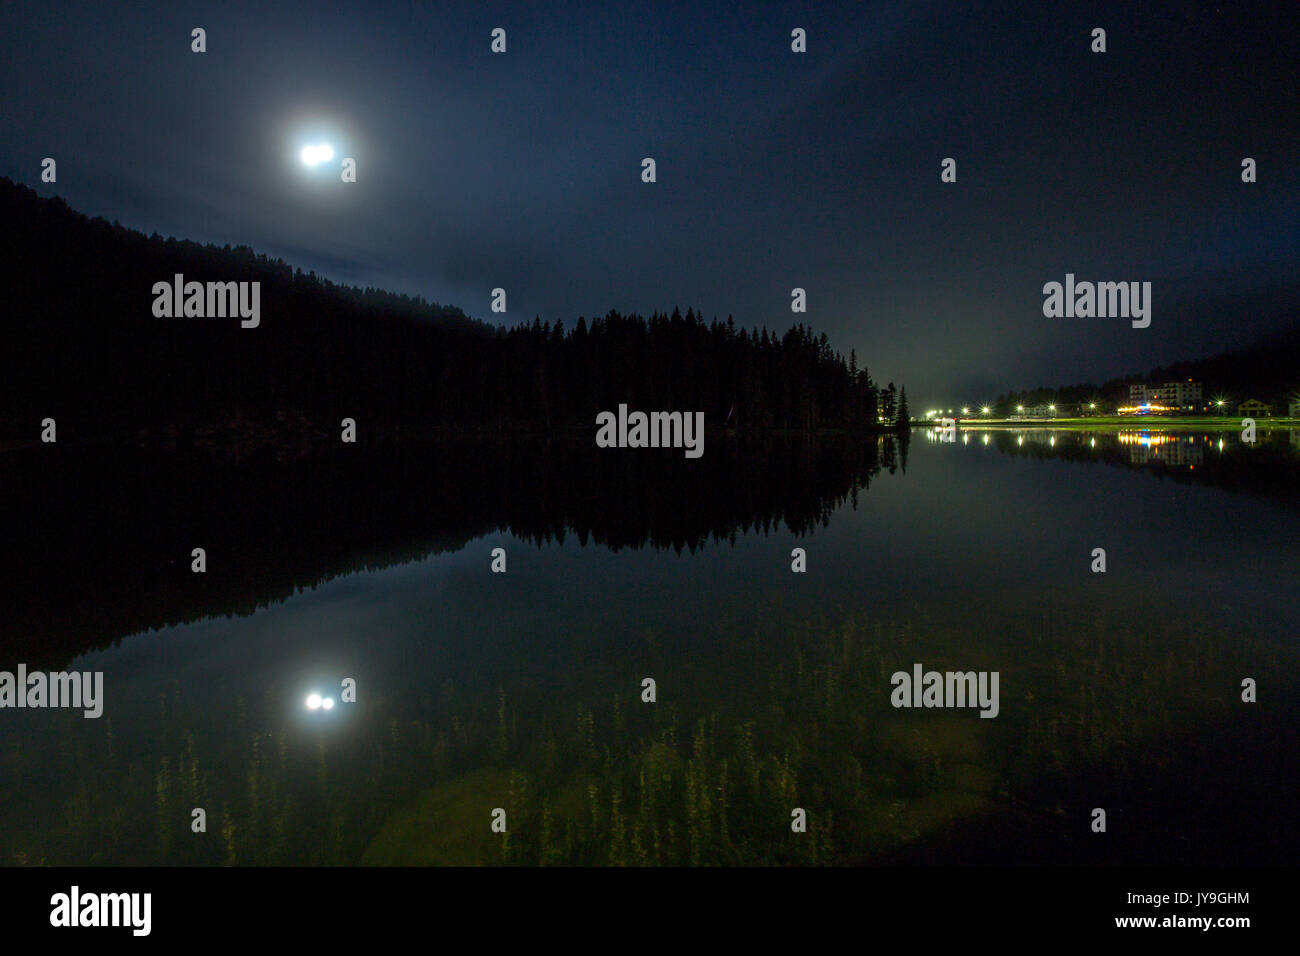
[522, 691]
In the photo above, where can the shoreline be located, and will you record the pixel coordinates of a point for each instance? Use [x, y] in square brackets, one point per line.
[1115, 422]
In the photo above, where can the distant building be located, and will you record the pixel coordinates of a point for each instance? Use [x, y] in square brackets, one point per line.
[1294, 410]
[1183, 396]
[1254, 409]
[1039, 411]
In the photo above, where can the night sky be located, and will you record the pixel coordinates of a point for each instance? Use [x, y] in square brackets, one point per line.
[775, 169]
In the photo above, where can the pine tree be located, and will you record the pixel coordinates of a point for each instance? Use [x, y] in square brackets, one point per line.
[889, 404]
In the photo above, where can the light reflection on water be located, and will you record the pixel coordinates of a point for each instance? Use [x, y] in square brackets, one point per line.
[478, 691]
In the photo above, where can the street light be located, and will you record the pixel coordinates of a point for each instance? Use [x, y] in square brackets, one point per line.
[984, 410]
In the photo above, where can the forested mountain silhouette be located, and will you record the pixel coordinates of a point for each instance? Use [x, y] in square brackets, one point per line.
[85, 348]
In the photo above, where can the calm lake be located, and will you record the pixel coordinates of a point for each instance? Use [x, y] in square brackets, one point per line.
[523, 691]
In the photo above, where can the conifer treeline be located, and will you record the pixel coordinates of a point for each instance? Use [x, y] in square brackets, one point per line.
[86, 349]
[749, 379]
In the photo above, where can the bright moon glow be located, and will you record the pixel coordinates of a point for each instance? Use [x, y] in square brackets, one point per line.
[314, 701]
[315, 155]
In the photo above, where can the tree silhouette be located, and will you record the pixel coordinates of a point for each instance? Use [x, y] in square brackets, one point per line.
[85, 348]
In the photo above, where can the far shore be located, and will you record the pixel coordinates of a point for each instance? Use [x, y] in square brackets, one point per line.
[1114, 422]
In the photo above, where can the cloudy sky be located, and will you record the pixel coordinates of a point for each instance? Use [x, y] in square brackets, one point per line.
[775, 170]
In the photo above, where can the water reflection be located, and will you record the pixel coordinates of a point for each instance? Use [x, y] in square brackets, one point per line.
[1171, 450]
[115, 556]
[523, 691]
[1270, 465]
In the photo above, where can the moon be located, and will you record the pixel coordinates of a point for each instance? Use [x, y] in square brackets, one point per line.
[315, 155]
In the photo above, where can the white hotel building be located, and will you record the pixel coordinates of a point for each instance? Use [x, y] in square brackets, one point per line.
[1183, 396]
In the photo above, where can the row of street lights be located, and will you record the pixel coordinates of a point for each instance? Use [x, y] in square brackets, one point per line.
[986, 410]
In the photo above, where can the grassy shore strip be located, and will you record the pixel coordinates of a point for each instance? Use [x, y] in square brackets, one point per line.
[1128, 422]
